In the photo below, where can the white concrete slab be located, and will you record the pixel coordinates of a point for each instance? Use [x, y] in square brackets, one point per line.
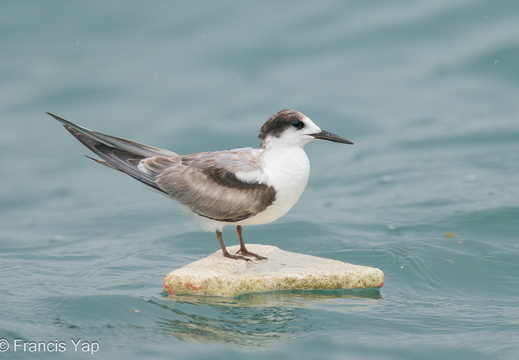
[216, 275]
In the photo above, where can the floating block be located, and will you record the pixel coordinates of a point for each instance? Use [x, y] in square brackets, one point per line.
[216, 275]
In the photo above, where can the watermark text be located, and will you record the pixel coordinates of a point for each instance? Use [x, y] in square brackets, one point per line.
[77, 345]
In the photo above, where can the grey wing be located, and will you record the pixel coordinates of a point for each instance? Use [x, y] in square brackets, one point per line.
[207, 184]
[114, 142]
[120, 154]
[204, 182]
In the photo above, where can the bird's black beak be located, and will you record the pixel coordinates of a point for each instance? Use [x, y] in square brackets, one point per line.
[325, 135]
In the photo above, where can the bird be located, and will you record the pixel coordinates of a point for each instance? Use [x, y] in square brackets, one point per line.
[243, 186]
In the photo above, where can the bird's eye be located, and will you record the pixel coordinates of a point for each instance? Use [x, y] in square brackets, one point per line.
[298, 124]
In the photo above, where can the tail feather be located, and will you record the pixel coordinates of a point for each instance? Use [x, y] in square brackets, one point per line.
[118, 154]
[102, 162]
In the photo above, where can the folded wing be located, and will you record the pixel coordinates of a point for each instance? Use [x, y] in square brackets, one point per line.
[205, 182]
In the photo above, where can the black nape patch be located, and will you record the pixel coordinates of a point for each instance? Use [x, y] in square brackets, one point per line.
[279, 122]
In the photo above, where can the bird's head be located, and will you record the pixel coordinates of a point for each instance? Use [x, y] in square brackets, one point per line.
[292, 128]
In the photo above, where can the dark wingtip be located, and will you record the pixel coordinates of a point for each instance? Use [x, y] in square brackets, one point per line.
[56, 117]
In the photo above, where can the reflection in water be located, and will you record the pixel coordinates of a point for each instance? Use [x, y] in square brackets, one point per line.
[252, 320]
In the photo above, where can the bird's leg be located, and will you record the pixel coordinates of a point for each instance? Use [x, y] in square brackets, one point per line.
[224, 250]
[243, 250]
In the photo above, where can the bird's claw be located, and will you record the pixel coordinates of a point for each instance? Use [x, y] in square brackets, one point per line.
[248, 253]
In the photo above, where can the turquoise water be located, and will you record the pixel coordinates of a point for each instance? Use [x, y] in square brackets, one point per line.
[429, 92]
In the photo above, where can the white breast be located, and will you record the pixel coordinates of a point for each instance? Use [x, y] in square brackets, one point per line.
[287, 170]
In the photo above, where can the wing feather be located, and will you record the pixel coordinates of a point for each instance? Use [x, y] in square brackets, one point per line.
[115, 142]
[207, 184]
[216, 185]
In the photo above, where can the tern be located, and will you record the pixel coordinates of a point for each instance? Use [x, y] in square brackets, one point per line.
[245, 186]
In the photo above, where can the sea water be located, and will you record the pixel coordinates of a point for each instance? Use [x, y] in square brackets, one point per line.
[430, 194]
